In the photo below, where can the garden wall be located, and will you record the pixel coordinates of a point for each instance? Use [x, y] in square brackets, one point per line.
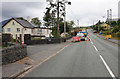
[13, 53]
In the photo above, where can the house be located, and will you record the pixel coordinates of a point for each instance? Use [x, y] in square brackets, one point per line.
[17, 27]
[106, 26]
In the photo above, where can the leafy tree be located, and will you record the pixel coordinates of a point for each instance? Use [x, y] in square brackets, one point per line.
[115, 29]
[118, 22]
[36, 21]
[69, 26]
[21, 18]
[113, 23]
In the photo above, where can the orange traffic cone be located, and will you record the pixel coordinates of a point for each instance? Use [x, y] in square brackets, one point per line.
[89, 39]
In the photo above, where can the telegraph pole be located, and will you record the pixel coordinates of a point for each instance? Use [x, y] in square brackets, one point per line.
[65, 20]
[58, 31]
[107, 19]
[78, 22]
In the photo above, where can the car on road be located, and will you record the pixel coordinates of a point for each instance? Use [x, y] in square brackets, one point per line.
[81, 36]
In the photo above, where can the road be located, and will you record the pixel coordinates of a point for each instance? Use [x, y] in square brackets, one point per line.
[95, 58]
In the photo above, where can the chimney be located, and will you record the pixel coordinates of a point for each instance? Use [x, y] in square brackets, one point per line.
[28, 18]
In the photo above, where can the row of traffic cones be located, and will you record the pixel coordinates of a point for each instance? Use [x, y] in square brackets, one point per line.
[86, 39]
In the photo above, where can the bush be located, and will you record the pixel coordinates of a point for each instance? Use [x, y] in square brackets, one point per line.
[115, 29]
[118, 34]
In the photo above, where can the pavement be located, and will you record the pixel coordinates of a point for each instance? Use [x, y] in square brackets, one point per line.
[111, 40]
[95, 58]
[36, 54]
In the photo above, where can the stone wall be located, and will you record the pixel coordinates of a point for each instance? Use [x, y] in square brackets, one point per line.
[13, 53]
[45, 41]
[29, 41]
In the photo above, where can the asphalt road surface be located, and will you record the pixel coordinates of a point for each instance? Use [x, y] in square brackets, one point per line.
[95, 58]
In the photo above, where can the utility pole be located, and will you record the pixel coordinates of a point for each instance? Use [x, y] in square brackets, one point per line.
[78, 22]
[65, 19]
[110, 16]
[58, 31]
[107, 20]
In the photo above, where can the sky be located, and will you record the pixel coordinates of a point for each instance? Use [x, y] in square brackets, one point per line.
[88, 12]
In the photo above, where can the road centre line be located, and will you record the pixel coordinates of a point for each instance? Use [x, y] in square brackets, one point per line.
[95, 48]
[104, 62]
[108, 68]
[91, 42]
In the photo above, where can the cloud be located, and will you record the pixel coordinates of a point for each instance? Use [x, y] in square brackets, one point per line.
[22, 9]
[87, 11]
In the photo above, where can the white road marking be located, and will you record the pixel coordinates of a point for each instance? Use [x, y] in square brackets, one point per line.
[22, 75]
[108, 68]
[95, 48]
[91, 42]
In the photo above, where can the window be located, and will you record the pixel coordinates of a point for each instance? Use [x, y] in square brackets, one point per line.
[8, 29]
[32, 30]
[39, 31]
[18, 29]
[13, 23]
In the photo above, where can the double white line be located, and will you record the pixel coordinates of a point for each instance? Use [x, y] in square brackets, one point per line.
[103, 60]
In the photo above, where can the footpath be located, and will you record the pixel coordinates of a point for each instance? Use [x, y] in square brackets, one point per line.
[36, 55]
[110, 40]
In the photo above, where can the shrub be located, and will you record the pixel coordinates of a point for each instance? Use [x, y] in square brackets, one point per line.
[118, 34]
[115, 29]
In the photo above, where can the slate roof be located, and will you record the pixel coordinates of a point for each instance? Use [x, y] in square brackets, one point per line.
[24, 23]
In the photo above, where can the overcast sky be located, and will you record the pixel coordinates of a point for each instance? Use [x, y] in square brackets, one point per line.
[86, 11]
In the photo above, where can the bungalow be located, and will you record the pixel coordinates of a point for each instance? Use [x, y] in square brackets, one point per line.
[17, 27]
[106, 26]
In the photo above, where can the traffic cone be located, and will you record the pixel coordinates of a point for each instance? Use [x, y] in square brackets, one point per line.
[89, 39]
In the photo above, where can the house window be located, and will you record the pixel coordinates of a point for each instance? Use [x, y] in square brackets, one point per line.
[39, 31]
[13, 23]
[18, 29]
[8, 29]
[32, 30]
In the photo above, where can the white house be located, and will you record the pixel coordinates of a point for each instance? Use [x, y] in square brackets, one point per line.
[17, 26]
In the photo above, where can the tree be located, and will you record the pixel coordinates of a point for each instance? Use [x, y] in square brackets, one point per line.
[36, 21]
[69, 26]
[118, 22]
[21, 18]
[115, 29]
[50, 18]
[113, 23]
